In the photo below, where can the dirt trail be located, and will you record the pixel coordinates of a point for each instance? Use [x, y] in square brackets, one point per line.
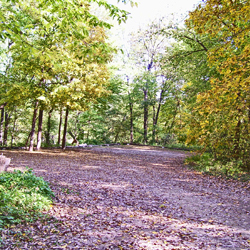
[132, 198]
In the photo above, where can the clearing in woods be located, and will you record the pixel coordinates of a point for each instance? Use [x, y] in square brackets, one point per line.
[131, 198]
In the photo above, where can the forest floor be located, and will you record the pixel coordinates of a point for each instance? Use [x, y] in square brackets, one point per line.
[131, 198]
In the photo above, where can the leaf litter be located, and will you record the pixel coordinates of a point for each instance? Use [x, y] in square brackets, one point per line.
[131, 198]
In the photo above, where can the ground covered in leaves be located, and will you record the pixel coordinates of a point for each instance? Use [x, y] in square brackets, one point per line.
[131, 198]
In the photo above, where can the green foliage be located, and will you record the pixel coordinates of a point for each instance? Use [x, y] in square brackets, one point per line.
[219, 119]
[206, 164]
[22, 196]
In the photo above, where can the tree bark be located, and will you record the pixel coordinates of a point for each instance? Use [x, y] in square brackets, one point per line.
[65, 129]
[156, 116]
[1, 126]
[27, 141]
[14, 128]
[6, 127]
[154, 125]
[59, 129]
[48, 142]
[145, 124]
[39, 132]
[32, 132]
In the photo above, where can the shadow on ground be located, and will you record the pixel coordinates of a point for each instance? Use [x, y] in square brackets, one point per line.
[132, 198]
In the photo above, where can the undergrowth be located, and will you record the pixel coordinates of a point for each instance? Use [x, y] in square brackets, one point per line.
[23, 196]
[181, 146]
[206, 164]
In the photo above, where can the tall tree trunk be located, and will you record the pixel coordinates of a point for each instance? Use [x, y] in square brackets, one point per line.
[27, 141]
[59, 129]
[39, 132]
[131, 113]
[156, 116]
[1, 126]
[32, 132]
[14, 128]
[6, 127]
[156, 121]
[48, 142]
[145, 125]
[65, 129]
[154, 125]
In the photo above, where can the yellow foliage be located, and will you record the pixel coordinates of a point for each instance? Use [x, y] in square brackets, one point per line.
[223, 112]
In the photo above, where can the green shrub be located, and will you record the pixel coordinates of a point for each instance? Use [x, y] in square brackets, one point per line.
[22, 196]
[207, 164]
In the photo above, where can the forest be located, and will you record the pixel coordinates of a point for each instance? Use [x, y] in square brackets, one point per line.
[179, 85]
[91, 131]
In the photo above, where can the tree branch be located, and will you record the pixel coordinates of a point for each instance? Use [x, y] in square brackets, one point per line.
[196, 40]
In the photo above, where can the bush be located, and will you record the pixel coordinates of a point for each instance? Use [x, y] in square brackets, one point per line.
[22, 196]
[207, 164]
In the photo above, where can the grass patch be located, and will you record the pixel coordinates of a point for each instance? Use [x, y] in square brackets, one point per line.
[206, 164]
[23, 196]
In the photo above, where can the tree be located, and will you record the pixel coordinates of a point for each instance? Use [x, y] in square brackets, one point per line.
[147, 45]
[221, 117]
[51, 41]
[185, 66]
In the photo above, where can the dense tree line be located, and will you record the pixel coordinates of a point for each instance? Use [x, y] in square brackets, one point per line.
[172, 84]
[54, 57]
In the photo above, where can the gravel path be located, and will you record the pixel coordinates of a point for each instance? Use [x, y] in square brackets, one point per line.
[132, 198]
